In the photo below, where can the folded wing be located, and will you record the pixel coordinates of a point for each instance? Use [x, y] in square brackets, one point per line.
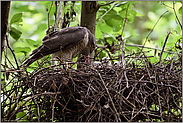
[59, 40]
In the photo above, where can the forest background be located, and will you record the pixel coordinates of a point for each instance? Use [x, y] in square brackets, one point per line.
[139, 23]
[29, 23]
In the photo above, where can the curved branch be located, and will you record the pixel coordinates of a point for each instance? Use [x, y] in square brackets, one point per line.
[12, 51]
[108, 3]
[153, 28]
[176, 15]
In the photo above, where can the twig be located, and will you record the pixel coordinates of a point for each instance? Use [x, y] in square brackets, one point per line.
[163, 47]
[153, 28]
[58, 15]
[61, 18]
[122, 60]
[12, 52]
[46, 93]
[9, 62]
[105, 13]
[125, 19]
[176, 15]
[14, 106]
[54, 104]
[136, 45]
[109, 95]
[49, 67]
[108, 3]
[49, 15]
[174, 12]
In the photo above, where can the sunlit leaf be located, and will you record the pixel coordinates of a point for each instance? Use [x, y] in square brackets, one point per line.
[15, 33]
[31, 42]
[115, 24]
[98, 33]
[180, 10]
[105, 28]
[112, 15]
[16, 18]
[21, 114]
[22, 49]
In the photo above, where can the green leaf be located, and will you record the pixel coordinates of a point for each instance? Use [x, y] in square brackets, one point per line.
[105, 28]
[98, 33]
[180, 10]
[21, 114]
[130, 30]
[15, 33]
[22, 49]
[32, 43]
[115, 24]
[112, 14]
[16, 18]
[102, 54]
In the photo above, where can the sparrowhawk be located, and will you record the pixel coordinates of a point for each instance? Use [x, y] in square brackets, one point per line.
[64, 43]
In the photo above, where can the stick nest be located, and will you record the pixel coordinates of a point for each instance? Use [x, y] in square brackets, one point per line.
[138, 91]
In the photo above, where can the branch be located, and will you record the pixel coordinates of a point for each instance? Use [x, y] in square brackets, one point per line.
[123, 55]
[109, 95]
[124, 22]
[153, 28]
[12, 52]
[49, 16]
[176, 15]
[46, 93]
[105, 13]
[164, 47]
[108, 3]
[58, 15]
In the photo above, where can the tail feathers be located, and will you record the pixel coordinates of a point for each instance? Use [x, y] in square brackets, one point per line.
[30, 60]
[36, 54]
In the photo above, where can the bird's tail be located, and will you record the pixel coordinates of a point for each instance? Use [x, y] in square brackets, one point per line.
[36, 54]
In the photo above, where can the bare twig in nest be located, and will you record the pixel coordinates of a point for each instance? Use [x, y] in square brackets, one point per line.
[109, 96]
[97, 93]
[163, 47]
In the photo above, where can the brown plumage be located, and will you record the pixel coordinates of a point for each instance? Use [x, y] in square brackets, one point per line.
[64, 43]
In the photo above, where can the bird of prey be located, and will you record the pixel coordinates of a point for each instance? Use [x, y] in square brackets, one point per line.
[64, 43]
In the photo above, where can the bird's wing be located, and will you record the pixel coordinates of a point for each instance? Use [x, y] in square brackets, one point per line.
[55, 41]
[64, 38]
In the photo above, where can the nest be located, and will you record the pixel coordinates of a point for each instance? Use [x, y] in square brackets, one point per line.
[137, 91]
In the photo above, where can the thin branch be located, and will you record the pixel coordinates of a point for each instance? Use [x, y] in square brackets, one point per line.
[136, 45]
[153, 28]
[123, 55]
[108, 3]
[109, 95]
[176, 16]
[49, 15]
[164, 47]
[61, 18]
[105, 13]
[125, 19]
[58, 15]
[46, 93]
[12, 51]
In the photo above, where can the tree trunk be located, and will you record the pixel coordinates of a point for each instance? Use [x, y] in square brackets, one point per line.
[5, 7]
[88, 19]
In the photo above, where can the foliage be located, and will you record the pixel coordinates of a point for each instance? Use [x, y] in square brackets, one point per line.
[139, 23]
[29, 23]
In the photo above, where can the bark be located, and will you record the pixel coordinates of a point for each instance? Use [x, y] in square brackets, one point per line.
[88, 19]
[5, 7]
